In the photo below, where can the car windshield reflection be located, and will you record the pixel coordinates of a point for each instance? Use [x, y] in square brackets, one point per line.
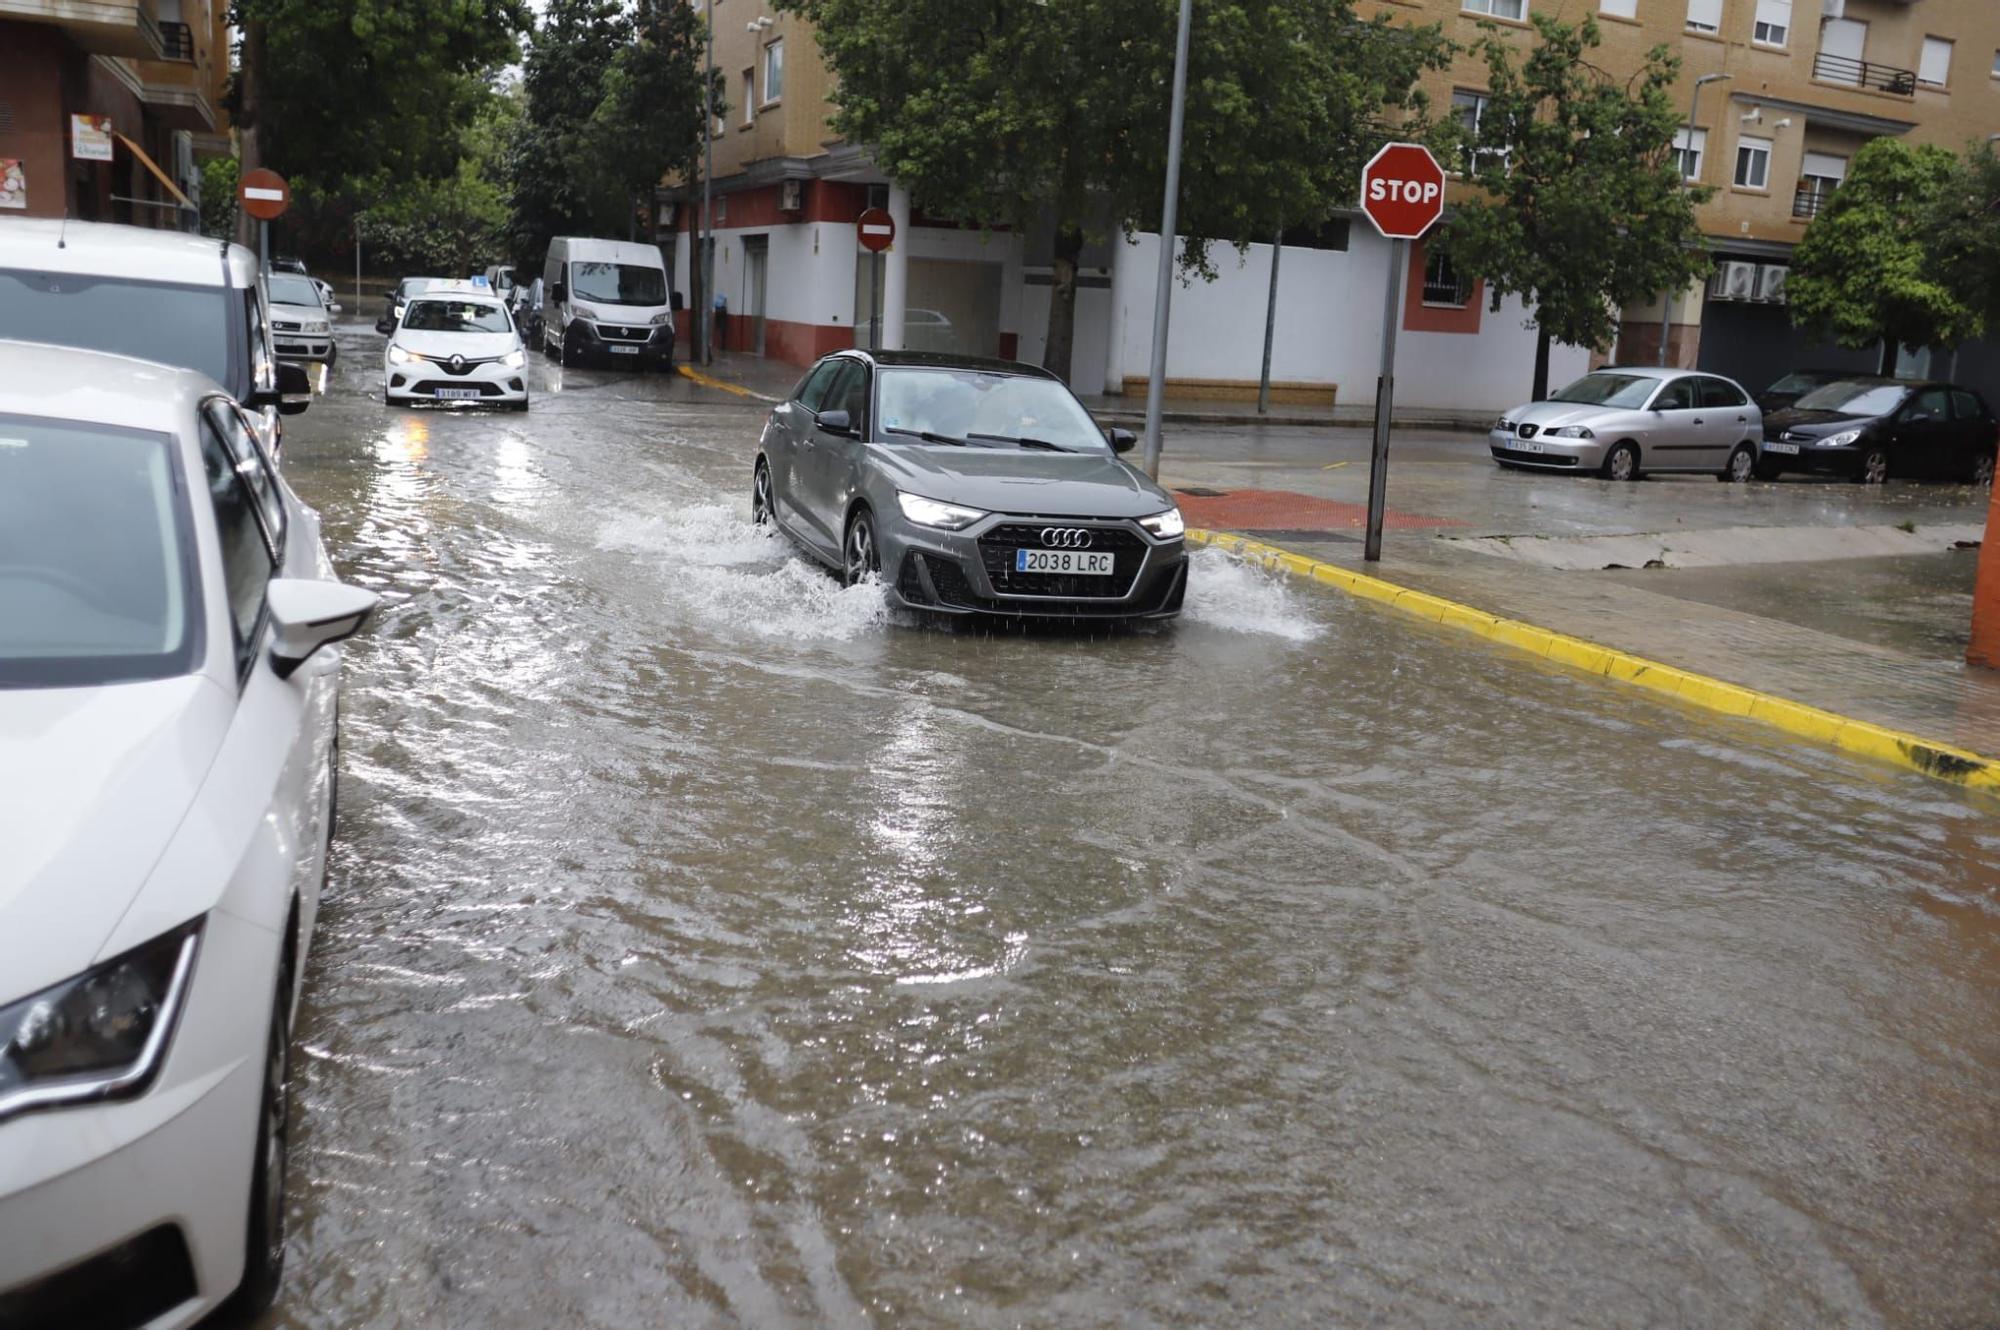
[1854, 399]
[1621, 390]
[986, 409]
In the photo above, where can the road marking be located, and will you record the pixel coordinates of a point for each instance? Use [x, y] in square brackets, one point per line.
[1865, 738]
[708, 381]
[1333, 466]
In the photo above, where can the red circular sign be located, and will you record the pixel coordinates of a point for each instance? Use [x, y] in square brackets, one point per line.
[264, 193]
[1402, 190]
[877, 230]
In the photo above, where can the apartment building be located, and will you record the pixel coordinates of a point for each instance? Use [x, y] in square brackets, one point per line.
[1807, 82]
[107, 107]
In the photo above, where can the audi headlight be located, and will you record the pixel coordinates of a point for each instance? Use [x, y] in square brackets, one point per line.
[1573, 432]
[1840, 440]
[930, 512]
[398, 356]
[514, 359]
[1165, 525]
[100, 1035]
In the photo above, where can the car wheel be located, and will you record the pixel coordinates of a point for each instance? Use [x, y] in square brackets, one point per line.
[1874, 467]
[264, 1249]
[1622, 462]
[569, 355]
[1982, 470]
[859, 557]
[763, 510]
[1741, 466]
[1767, 470]
[521, 405]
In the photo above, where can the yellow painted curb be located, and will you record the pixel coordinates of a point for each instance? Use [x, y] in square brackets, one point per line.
[710, 381]
[1865, 738]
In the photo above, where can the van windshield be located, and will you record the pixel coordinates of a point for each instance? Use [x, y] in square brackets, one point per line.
[187, 326]
[617, 283]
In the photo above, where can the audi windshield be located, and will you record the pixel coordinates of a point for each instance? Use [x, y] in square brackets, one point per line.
[979, 408]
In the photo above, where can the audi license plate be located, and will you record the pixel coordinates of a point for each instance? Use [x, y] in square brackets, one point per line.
[1789, 449]
[458, 394]
[624, 350]
[1094, 563]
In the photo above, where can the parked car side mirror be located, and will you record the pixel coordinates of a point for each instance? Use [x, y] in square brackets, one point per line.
[294, 389]
[1123, 440]
[334, 308]
[560, 293]
[307, 614]
[836, 422]
[679, 302]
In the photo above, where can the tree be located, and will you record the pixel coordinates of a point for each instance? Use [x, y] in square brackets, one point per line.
[1584, 208]
[1866, 271]
[1026, 115]
[1962, 231]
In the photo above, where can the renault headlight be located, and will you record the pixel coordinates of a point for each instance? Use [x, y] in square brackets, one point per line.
[100, 1035]
[514, 359]
[1573, 432]
[1840, 440]
[1166, 525]
[931, 512]
[398, 356]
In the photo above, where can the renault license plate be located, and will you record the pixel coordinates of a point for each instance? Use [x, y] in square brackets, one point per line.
[1092, 563]
[458, 394]
[1789, 449]
[624, 350]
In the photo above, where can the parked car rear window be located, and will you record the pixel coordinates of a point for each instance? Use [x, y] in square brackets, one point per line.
[1966, 406]
[186, 326]
[987, 408]
[618, 283]
[1623, 390]
[457, 316]
[95, 578]
[1854, 399]
[1720, 392]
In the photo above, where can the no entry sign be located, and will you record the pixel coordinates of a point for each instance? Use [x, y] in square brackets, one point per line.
[1402, 190]
[264, 193]
[877, 230]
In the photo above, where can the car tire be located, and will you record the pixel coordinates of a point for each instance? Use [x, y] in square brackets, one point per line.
[1622, 462]
[1874, 468]
[521, 405]
[264, 1236]
[568, 355]
[763, 506]
[1767, 470]
[1981, 471]
[1742, 465]
[859, 555]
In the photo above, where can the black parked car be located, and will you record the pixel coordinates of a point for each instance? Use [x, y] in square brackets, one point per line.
[1869, 429]
[392, 309]
[1797, 384]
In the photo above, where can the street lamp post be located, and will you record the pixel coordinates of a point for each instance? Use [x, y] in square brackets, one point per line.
[1667, 297]
[704, 335]
[1164, 291]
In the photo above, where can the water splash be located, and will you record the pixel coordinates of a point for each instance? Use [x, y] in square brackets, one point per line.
[1227, 593]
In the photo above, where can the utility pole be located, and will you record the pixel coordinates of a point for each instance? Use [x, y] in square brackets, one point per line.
[1156, 380]
[1667, 297]
[1270, 326]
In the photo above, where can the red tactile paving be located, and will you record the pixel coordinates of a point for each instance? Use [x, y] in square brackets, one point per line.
[1269, 510]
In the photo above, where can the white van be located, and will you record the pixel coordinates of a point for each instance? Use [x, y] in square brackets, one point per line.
[607, 300]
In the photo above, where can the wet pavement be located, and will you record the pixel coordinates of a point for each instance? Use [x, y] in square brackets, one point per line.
[707, 947]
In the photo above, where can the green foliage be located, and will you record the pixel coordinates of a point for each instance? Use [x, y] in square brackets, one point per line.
[1962, 229]
[1585, 209]
[449, 227]
[1867, 268]
[218, 196]
[1016, 112]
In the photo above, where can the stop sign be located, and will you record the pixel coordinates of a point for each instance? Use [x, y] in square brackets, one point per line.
[1402, 190]
[264, 194]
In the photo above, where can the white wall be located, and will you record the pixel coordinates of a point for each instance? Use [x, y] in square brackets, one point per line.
[1329, 328]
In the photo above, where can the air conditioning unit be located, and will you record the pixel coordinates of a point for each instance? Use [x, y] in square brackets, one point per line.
[791, 195]
[1734, 281]
[1771, 282]
[1833, 8]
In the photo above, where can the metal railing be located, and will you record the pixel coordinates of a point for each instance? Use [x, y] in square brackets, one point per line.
[1865, 74]
[176, 41]
[1809, 202]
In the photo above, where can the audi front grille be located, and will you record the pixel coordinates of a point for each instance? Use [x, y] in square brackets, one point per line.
[996, 554]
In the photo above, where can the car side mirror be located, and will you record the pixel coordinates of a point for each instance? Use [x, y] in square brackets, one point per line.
[678, 303]
[1123, 440]
[836, 422]
[294, 389]
[560, 292]
[307, 614]
[334, 308]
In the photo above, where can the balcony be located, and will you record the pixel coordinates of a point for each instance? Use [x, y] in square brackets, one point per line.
[176, 41]
[129, 28]
[1807, 203]
[1865, 74]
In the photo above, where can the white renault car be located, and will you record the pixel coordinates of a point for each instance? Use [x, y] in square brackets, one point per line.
[456, 344]
[168, 710]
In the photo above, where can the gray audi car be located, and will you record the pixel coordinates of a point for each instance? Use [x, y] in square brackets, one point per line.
[971, 486]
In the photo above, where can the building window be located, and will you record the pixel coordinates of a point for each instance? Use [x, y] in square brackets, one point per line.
[1470, 110]
[1514, 9]
[749, 97]
[1704, 15]
[1934, 68]
[1753, 163]
[1996, 64]
[1619, 8]
[1774, 22]
[774, 71]
[1689, 145]
[1442, 284]
[1819, 176]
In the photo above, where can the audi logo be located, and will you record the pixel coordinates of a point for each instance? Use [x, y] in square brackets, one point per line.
[1065, 538]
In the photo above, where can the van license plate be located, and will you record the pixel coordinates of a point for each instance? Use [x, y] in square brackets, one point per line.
[458, 394]
[624, 350]
[1095, 563]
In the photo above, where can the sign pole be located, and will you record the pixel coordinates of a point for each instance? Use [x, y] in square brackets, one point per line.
[1385, 394]
[1270, 326]
[264, 249]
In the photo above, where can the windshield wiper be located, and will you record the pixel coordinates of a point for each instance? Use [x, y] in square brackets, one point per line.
[1018, 441]
[928, 436]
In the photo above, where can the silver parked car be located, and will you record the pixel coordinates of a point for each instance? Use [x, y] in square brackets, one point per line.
[1623, 422]
[972, 486]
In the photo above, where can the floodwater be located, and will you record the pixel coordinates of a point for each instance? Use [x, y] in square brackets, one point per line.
[707, 948]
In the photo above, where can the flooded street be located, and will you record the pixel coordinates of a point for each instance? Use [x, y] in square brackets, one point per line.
[706, 947]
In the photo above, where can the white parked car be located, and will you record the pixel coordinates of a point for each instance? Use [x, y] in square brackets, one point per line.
[301, 323]
[168, 704]
[456, 345]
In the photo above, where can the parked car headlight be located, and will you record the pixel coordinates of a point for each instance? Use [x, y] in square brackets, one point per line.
[662, 319]
[514, 359]
[1504, 424]
[1840, 440]
[398, 356]
[930, 512]
[100, 1035]
[1165, 525]
[318, 326]
[585, 312]
[1573, 432]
